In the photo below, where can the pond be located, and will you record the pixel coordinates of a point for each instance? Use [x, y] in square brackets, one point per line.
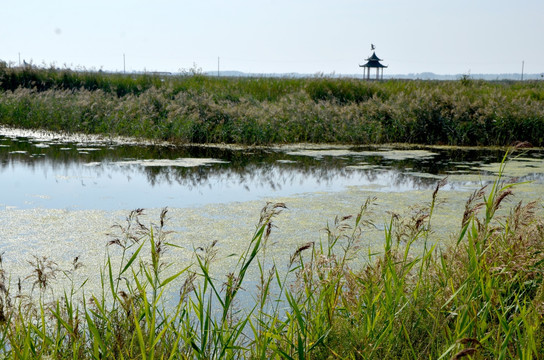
[61, 195]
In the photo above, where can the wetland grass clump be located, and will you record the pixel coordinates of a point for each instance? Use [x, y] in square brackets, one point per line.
[479, 295]
[195, 108]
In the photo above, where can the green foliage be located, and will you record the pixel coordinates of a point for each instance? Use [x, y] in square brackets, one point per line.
[204, 109]
[343, 91]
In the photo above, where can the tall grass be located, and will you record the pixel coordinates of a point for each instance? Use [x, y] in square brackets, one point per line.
[202, 109]
[479, 296]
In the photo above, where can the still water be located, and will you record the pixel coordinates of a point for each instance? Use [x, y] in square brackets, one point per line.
[61, 195]
[53, 173]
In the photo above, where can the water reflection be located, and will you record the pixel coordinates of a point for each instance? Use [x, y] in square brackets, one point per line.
[59, 174]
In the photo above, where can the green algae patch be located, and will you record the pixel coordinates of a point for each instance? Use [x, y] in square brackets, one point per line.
[388, 154]
[425, 175]
[401, 154]
[362, 166]
[286, 161]
[323, 152]
[517, 167]
[184, 162]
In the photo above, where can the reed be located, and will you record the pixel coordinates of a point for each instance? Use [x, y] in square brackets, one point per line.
[195, 108]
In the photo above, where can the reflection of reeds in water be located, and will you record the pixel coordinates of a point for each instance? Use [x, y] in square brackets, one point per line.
[201, 109]
[480, 295]
[260, 169]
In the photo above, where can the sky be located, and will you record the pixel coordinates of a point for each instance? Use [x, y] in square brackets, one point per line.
[276, 36]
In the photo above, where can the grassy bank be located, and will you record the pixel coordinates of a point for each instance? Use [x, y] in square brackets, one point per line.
[201, 109]
[478, 295]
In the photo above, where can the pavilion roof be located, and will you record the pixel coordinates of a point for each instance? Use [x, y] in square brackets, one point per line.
[374, 57]
[373, 62]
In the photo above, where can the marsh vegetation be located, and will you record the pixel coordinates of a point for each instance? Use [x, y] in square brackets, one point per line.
[194, 108]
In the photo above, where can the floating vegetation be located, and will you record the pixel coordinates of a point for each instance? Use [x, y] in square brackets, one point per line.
[362, 166]
[323, 152]
[388, 154]
[185, 162]
[392, 154]
[87, 149]
[518, 167]
[285, 161]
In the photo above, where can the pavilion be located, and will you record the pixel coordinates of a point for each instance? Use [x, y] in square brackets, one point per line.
[373, 62]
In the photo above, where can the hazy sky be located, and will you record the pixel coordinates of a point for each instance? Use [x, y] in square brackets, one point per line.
[264, 36]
